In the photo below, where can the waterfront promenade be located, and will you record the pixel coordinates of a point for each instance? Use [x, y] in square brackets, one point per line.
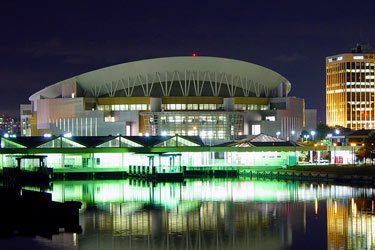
[359, 174]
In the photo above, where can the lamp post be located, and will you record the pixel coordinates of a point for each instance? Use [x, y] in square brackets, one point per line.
[306, 137]
[353, 156]
[363, 147]
[316, 153]
[293, 133]
[337, 132]
[312, 134]
[278, 134]
[334, 154]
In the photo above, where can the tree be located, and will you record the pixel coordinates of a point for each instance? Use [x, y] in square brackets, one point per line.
[368, 150]
[322, 130]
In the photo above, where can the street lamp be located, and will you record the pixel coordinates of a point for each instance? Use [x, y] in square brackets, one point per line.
[334, 154]
[329, 136]
[293, 133]
[278, 134]
[316, 154]
[306, 137]
[312, 134]
[353, 156]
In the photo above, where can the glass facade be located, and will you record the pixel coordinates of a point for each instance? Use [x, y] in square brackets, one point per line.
[207, 125]
[204, 106]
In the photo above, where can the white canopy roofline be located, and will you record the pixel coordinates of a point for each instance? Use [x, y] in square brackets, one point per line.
[213, 69]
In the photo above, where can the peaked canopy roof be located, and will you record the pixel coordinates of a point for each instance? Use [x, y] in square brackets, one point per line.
[258, 141]
[99, 141]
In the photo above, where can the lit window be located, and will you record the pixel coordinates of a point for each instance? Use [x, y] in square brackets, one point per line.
[357, 57]
[270, 118]
[255, 129]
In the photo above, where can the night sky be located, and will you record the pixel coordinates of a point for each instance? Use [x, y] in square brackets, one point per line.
[43, 42]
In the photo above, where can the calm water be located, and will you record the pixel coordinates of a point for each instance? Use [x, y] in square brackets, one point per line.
[213, 214]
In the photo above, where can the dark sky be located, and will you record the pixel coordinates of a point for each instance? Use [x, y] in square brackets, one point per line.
[43, 42]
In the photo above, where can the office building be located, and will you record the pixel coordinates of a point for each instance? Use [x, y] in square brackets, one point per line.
[350, 89]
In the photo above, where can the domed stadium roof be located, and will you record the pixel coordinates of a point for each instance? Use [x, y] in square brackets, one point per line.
[175, 76]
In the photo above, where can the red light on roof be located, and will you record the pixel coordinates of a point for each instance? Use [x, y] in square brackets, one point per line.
[194, 54]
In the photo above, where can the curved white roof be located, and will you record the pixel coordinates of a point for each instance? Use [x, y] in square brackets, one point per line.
[188, 74]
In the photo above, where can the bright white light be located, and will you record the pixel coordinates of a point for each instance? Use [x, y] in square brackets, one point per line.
[164, 133]
[313, 133]
[47, 135]
[6, 135]
[147, 134]
[357, 57]
[337, 131]
[12, 136]
[278, 134]
[329, 135]
[67, 135]
[293, 132]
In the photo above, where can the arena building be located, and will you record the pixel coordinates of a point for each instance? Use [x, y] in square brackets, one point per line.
[217, 99]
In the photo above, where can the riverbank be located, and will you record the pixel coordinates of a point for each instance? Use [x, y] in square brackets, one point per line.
[347, 174]
[334, 169]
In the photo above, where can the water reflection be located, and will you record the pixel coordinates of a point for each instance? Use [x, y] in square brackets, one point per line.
[241, 214]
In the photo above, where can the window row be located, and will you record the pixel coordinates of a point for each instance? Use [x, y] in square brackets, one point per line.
[121, 107]
[204, 106]
[251, 107]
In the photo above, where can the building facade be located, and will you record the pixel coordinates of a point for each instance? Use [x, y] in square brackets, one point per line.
[217, 99]
[350, 89]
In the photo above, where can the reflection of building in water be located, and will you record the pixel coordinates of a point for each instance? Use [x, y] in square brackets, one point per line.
[220, 214]
[213, 225]
[350, 224]
[177, 194]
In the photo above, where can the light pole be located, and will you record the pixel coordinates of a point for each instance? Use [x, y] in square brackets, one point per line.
[316, 154]
[337, 132]
[293, 133]
[312, 134]
[278, 134]
[353, 156]
[334, 154]
[306, 137]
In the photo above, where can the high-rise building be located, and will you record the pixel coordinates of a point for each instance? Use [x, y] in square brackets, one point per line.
[350, 89]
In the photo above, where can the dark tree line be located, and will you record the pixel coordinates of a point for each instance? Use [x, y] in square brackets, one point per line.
[367, 151]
